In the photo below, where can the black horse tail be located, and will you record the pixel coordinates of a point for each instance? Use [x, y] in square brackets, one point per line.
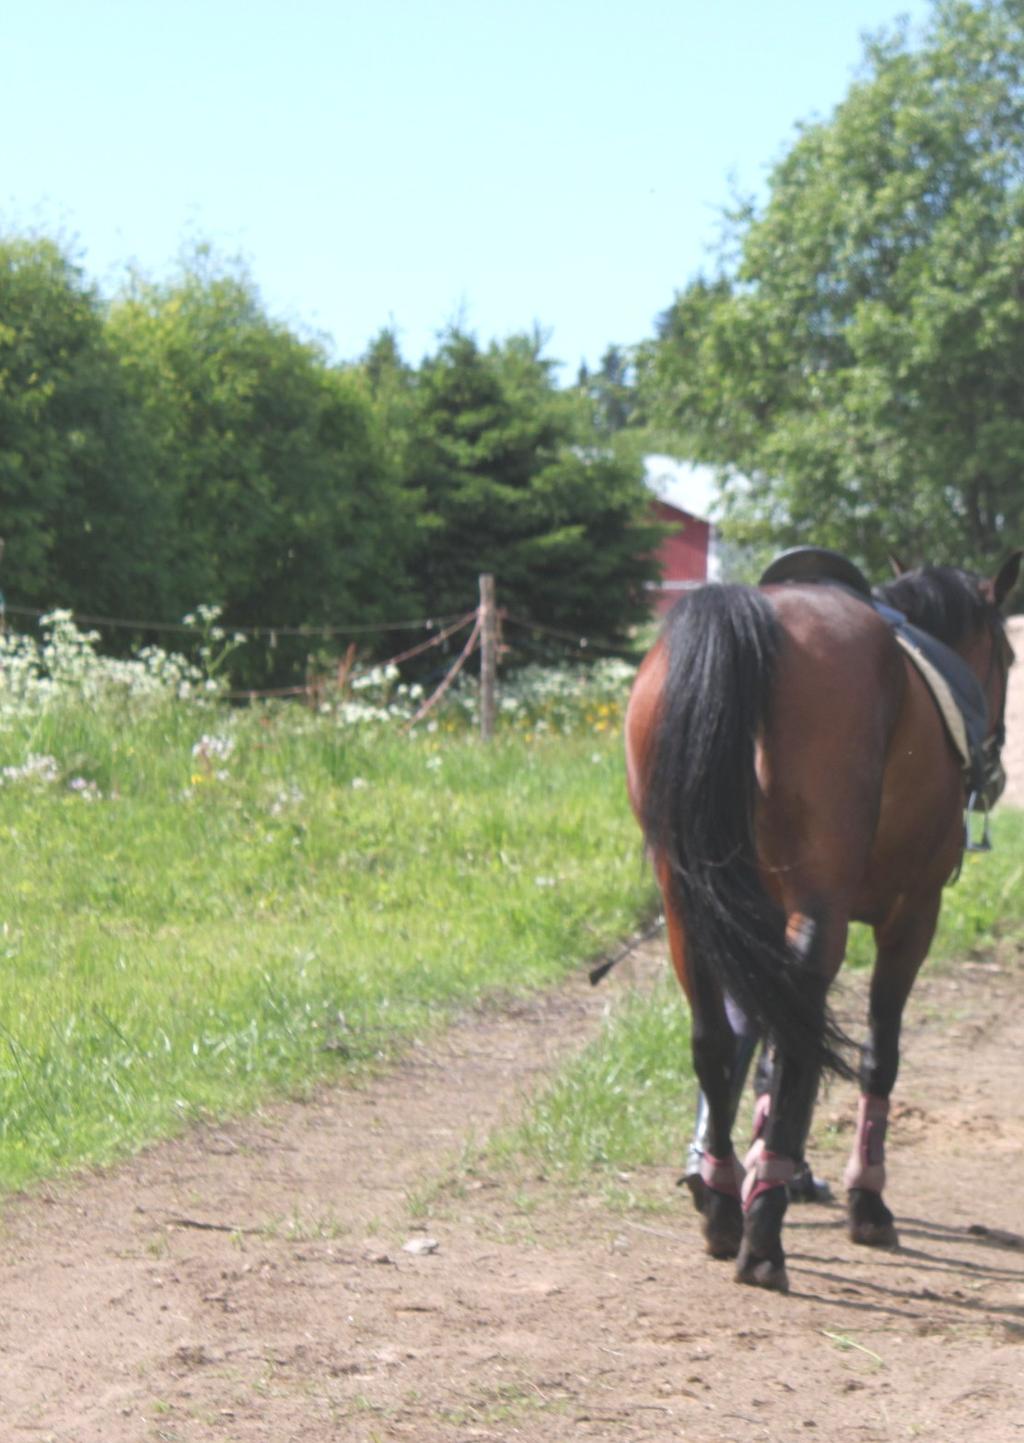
[700, 791]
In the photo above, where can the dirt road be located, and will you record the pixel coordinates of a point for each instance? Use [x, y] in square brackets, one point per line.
[252, 1284]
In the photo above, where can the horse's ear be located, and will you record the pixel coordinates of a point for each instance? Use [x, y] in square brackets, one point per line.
[998, 587]
[897, 566]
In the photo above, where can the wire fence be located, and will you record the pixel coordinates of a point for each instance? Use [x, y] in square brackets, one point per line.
[346, 674]
[326, 631]
[508, 636]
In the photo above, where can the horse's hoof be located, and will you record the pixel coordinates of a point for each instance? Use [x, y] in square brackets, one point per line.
[806, 1188]
[698, 1190]
[767, 1273]
[874, 1235]
[871, 1224]
[723, 1224]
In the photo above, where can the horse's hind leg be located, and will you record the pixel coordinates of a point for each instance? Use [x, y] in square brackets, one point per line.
[721, 1175]
[902, 945]
[771, 1165]
[805, 1186]
[744, 1044]
[713, 1043]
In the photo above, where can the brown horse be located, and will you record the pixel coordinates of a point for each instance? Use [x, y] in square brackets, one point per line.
[792, 773]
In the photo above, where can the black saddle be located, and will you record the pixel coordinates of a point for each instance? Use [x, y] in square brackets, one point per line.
[816, 563]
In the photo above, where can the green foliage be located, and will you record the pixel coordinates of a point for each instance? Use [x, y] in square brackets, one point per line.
[180, 445]
[611, 390]
[515, 479]
[283, 508]
[858, 362]
[81, 521]
[987, 902]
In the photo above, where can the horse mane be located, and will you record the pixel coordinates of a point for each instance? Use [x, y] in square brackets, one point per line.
[942, 600]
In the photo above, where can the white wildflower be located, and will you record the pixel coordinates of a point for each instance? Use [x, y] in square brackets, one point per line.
[35, 768]
[214, 748]
[87, 790]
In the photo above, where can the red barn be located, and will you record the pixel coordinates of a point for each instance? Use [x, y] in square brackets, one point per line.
[683, 555]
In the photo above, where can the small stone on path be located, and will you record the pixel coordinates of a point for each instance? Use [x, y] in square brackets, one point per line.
[419, 1246]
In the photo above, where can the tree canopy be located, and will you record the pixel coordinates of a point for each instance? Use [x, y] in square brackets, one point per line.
[73, 466]
[517, 478]
[855, 366]
[175, 446]
[266, 454]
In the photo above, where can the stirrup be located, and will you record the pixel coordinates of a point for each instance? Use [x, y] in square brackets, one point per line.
[984, 842]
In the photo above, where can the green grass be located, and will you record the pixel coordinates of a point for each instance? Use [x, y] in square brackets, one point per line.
[212, 931]
[191, 944]
[626, 1101]
[623, 1102]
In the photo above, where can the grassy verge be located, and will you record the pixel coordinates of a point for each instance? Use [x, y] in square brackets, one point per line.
[192, 925]
[626, 1101]
[623, 1102]
[203, 908]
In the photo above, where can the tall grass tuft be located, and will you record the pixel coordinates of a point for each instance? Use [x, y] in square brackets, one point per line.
[623, 1102]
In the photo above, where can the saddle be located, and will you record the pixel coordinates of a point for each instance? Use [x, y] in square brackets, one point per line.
[955, 689]
[817, 563]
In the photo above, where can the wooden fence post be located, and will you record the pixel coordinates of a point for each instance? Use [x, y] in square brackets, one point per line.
[488, 657]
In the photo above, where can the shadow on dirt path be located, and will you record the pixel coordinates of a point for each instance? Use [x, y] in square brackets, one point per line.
[251, 1282]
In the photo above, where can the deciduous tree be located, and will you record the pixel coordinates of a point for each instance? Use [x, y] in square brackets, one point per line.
[859, 362]
[77, 511]
[285, 509]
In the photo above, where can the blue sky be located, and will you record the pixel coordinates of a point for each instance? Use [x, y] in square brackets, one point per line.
[392, 162]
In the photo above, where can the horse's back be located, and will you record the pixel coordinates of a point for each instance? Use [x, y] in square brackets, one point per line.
[853, 765]
[839, 690]
[859, 759]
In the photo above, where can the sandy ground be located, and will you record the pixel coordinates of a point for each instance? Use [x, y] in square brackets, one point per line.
[252, 1283]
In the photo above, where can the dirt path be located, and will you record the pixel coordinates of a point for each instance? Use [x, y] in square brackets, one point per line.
[251, 1283]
